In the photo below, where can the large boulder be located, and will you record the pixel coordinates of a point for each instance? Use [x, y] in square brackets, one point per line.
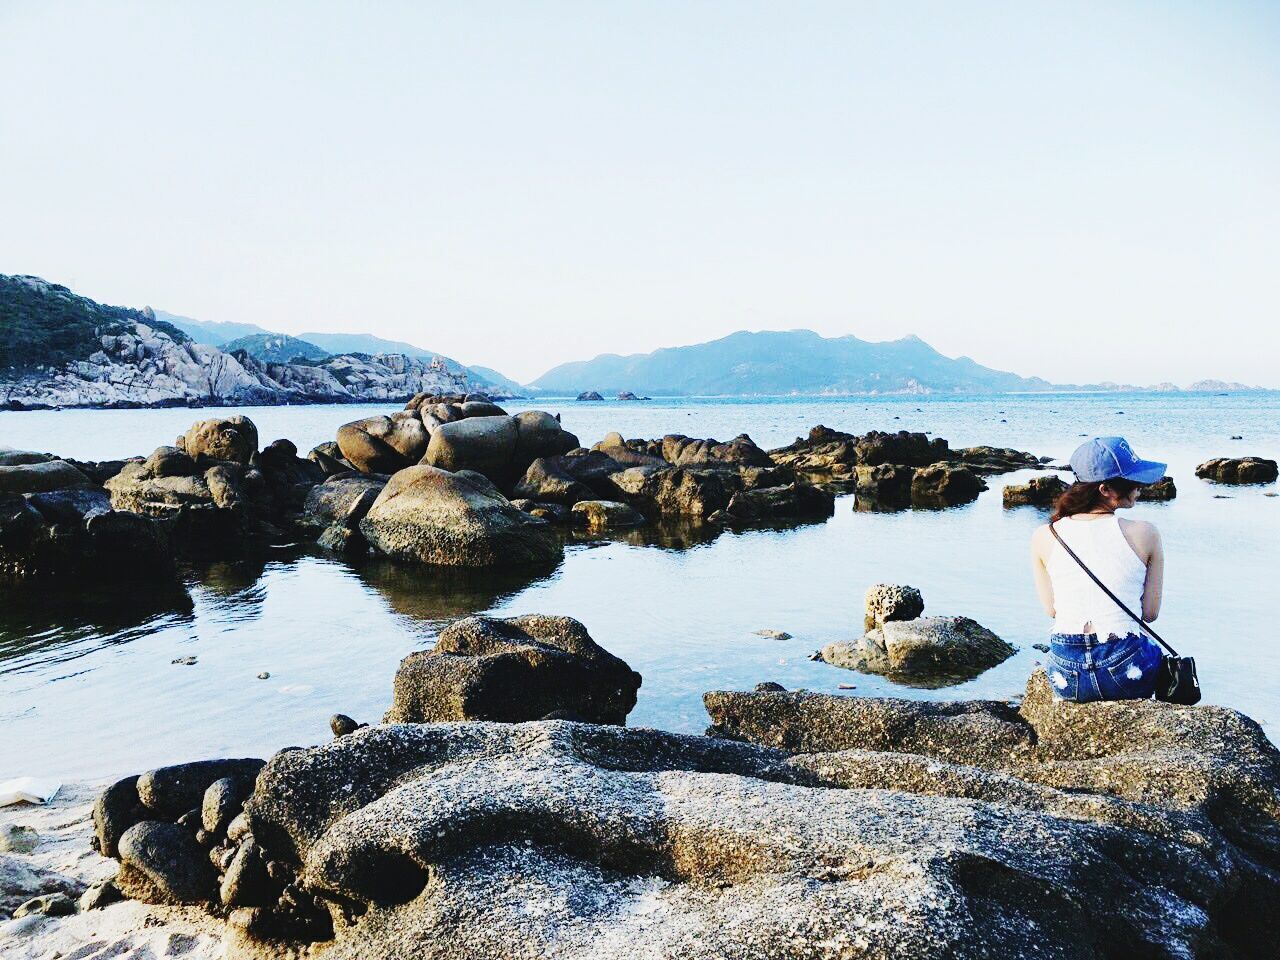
[823, 451]
[1238, 470]
[907, 449]
[881, 828]
[795, 501]
[432, 516]
[548, 481]
[629, 453]
[945, 485]
[524, 668]
[162, 863]
[342, 498]
[41, 477]
[500, 447]
[233, 438]
[928, 651]
[484, 444]
[684, 451]
[885, 486]
[383, 444]
[1036, 492]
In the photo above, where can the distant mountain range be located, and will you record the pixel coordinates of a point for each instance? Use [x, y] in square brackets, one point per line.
[786, 362]
[801, 362]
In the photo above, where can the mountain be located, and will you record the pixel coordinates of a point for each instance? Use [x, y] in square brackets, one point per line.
[44, 324]
[785, 362]
[276, 348]
[505, 385]
[59, 349]
[368, 343]
[214, 333]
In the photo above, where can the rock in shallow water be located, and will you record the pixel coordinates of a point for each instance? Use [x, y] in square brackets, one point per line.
[436, 517]
[929, 651]
[1238, 470]
[524, 668]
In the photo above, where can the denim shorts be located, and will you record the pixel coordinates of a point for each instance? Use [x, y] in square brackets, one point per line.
[1084, 669]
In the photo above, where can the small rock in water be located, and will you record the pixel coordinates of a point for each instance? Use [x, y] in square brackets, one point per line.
[846, 686]
[816, 655]
[1042, 647]
[774, 634]
[264, 675]
[17, 839]
[185, 661]
[770, 686]
[1237, 437]
[341, 725]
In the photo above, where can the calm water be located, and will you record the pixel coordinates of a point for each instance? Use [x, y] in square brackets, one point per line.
[84, 697]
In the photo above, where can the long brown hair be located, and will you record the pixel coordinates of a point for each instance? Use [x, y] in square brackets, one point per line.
[1083, 497]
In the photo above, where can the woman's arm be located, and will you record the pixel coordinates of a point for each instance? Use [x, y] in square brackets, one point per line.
[1153, 588]
[1044, 586]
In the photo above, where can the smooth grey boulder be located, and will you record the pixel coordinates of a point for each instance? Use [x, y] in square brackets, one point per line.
[162, 863]
[21, 880]
[41, 477]
[523, 668]
[432, 516]
[222, 800]
[484, 444]
[115, 810]
[383, 444]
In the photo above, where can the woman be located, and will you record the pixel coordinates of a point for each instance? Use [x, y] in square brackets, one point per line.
[1097, 651]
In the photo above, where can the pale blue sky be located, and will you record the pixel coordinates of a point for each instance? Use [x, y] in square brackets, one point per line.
[1082, 191]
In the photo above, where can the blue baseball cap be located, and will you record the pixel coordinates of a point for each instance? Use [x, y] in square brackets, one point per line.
[1111, 458]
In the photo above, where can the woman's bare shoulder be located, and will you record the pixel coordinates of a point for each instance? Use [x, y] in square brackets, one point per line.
[1140, 532]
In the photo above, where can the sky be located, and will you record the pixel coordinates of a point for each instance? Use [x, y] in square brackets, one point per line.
[1080, 191]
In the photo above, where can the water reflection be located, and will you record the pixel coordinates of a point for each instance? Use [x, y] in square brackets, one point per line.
[431, 594]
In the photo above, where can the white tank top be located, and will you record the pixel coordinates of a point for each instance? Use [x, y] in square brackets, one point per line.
[1077, 600]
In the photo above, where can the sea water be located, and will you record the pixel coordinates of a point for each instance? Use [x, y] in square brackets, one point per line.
[97, 694]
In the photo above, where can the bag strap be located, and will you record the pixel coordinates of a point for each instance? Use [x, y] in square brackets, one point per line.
[1107, 590]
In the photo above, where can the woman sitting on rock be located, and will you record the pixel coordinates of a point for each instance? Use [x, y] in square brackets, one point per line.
[1097, 651]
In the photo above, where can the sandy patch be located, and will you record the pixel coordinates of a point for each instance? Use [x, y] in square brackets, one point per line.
[127, 929]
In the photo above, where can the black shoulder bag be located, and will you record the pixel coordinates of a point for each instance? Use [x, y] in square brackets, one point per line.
[1176, 680]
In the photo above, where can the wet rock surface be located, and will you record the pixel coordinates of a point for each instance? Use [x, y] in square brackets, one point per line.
[1241, 470]
[1036, 492]
[1162, 490]
[524, 668]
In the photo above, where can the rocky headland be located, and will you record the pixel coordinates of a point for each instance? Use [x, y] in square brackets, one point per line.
[64, 350]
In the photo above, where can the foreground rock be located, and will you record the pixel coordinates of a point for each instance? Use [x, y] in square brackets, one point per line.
[848, 827]
[1238, 470]
[1037, 492]
[525, 668]
[915, 650]
[432, 516]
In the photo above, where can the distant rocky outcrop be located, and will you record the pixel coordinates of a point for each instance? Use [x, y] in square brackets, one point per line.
[1036, 492]
[1238, 470]
[58, 349]
[275, 348]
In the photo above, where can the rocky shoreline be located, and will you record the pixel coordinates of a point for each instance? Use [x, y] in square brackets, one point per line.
[502, 808]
